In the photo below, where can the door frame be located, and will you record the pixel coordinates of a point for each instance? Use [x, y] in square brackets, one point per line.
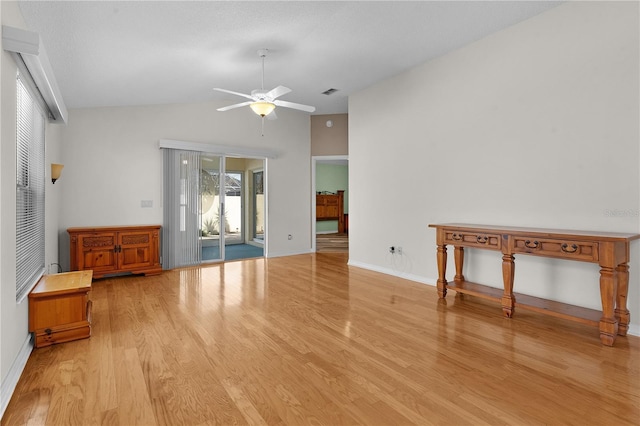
[255, 207]
[223, 202]
[314, 161]
[227, 151]
[243, 190]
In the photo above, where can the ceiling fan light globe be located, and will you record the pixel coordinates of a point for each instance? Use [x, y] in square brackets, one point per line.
[262, 108]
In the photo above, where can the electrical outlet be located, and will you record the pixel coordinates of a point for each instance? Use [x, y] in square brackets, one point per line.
[146, 203]
[392, 250]
[290, 237]
[399, 250]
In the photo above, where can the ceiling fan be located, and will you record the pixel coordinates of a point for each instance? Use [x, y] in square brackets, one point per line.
[264, 102]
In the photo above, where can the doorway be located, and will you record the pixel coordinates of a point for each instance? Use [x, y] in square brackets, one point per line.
[330, 174]
[230, 206]
[208, 206]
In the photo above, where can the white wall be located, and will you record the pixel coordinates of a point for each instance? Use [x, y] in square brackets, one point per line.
[536, 125]
[112, 162]
[53, 197]
[15, 344]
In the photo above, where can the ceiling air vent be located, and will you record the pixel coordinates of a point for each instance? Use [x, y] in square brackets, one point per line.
[329, 91]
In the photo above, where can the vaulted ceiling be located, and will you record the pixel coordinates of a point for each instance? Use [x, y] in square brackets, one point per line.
[146, 52]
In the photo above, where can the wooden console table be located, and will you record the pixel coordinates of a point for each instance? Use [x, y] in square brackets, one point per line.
[608, 249]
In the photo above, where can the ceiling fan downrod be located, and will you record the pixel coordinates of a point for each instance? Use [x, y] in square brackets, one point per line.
[263, 54]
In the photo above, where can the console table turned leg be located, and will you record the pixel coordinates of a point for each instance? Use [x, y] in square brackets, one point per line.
[442, 271]
[458, 255]
[621, 312]
[608, 322]
[508, 299]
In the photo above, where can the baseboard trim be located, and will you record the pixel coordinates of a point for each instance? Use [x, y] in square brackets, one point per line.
[389, 271]
[271, 254]
[10, 382]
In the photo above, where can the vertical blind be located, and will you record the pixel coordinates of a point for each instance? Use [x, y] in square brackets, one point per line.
[181, 230]
[29, 191]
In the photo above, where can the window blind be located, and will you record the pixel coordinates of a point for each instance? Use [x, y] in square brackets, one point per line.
[30, 157]
[181, 194]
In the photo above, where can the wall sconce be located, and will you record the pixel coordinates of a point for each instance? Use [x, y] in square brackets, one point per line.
[56, 170]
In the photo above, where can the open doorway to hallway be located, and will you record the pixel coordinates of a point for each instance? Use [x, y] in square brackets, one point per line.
[330, 182]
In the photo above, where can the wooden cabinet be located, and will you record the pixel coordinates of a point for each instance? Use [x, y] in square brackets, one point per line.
[331, 207]
[111, 250]
[60, 309]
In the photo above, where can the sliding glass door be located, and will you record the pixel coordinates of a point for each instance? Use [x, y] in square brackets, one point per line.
[212, 212]
[204, 208]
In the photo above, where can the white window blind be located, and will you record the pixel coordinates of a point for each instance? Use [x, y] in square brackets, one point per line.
[181, 244]
[30, 171]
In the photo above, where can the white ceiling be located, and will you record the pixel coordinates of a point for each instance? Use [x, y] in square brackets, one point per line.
[146, 52]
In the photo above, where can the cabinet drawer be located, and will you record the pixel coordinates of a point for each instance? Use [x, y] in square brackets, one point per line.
[472, 239]
[52, 336]
[564, 249]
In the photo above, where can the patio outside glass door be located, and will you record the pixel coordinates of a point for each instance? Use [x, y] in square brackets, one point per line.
[234, 207]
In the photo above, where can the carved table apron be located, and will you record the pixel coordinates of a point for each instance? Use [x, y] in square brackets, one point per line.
[608, 249]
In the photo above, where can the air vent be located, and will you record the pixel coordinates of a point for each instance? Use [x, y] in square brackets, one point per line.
[329, 91]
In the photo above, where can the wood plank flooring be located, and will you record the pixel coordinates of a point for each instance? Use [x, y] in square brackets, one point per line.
[332, 243]
[309, 340]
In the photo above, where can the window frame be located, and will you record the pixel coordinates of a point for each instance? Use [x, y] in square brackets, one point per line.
[30, 187]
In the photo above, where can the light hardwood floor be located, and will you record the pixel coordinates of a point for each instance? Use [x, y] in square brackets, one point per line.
[308, 340]
[332, 243]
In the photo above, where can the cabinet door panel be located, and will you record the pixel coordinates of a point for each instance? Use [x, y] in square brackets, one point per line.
[135, 249]
[97, 251]
[332, 211]
[332, 206]
[98, 259]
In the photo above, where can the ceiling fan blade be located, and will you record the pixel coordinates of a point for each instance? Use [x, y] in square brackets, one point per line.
[244, 95]
[241, 104]
[277, 92]
[294, 105]
[272, 115]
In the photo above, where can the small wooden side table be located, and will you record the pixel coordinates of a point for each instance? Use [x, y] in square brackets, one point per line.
[60, 309]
